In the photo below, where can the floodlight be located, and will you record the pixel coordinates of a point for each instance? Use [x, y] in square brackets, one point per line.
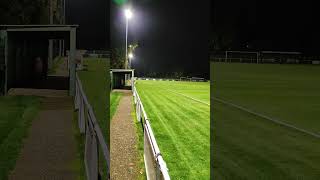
[128, 13]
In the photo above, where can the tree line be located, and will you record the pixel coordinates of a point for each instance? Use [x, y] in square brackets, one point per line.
[24, 12]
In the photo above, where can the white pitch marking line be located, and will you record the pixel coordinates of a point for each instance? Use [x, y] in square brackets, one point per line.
[268, 118]
[189, 97]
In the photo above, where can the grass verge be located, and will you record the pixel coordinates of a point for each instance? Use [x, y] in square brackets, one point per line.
[114, 102]
[16, 115]
[140, 147]
[95, 80]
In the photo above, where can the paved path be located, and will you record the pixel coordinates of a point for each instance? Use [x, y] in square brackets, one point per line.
[50, 149]
[37, 92]
[124, 152]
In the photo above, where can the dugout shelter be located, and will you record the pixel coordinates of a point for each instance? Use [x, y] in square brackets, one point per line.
[121, 78]
[20, 45]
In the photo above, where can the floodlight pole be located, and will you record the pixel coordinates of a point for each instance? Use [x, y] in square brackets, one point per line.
[64, 22]
[127, 61]
[50, 53]
[64, 11]
[226, 58]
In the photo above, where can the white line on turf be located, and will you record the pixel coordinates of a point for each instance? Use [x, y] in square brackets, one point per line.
[268, 118]
[188, 97]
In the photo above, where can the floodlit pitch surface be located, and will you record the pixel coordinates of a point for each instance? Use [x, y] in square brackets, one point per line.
[247, 146]
[179, 115]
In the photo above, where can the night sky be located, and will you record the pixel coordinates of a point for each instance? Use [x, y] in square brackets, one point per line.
[93, 18]
[172, 35]
[267, 25]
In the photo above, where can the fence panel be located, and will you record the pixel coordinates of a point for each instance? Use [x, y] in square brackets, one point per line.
[93, 135]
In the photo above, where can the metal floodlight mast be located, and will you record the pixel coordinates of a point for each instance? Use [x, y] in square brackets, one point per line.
[128, 15]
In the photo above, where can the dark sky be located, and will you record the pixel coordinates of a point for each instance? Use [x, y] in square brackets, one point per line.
[172, 36]
[93, 18]
[268, 25]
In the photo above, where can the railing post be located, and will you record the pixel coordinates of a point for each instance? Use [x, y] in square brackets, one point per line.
[151, 150]
[76, 98]
[81, 117]
[137, 107]
[158, 170]
[91, 153]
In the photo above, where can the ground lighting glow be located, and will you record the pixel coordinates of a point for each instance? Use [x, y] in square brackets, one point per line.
[130, 55]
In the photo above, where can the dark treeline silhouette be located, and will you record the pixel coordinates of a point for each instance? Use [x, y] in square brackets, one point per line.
[23, 12]
[265, 25]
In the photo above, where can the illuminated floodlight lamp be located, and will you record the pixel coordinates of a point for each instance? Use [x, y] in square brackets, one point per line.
[128, 13]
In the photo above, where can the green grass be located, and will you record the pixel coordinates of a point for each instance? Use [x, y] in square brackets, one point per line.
[96, 84]
[114, 102]
[16, 115]
[55, 65]
[95, 81]
[139, 132]
[180, 124]
[250, 147]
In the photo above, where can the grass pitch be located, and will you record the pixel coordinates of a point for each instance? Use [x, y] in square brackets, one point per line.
[179, 116]
[247, 146]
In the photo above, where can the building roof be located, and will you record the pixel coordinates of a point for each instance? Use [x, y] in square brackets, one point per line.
[280, 52]
[49, 27]
[122, 70]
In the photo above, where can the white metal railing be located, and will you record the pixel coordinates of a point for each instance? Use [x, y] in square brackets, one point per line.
[156, 167]
[93, 135]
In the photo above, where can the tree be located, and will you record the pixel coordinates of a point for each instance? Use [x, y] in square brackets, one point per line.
[131, 49]
[28, 11]
[117, 58]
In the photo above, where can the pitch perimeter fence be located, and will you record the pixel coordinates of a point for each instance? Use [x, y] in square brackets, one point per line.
[94, 140]
[193, 79]
[265, 57]
[156, 168]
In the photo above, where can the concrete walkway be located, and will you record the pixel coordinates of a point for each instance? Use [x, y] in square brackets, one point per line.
[123, 139]
[50, 148]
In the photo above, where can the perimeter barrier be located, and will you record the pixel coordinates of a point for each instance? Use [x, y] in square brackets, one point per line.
[94, 140]
[156, 168]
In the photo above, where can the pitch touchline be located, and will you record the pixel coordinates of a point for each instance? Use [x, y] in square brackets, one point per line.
[188, 97]
[268, 118]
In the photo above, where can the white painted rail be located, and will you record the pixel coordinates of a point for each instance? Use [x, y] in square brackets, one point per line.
[156, 168]
[93, 136]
